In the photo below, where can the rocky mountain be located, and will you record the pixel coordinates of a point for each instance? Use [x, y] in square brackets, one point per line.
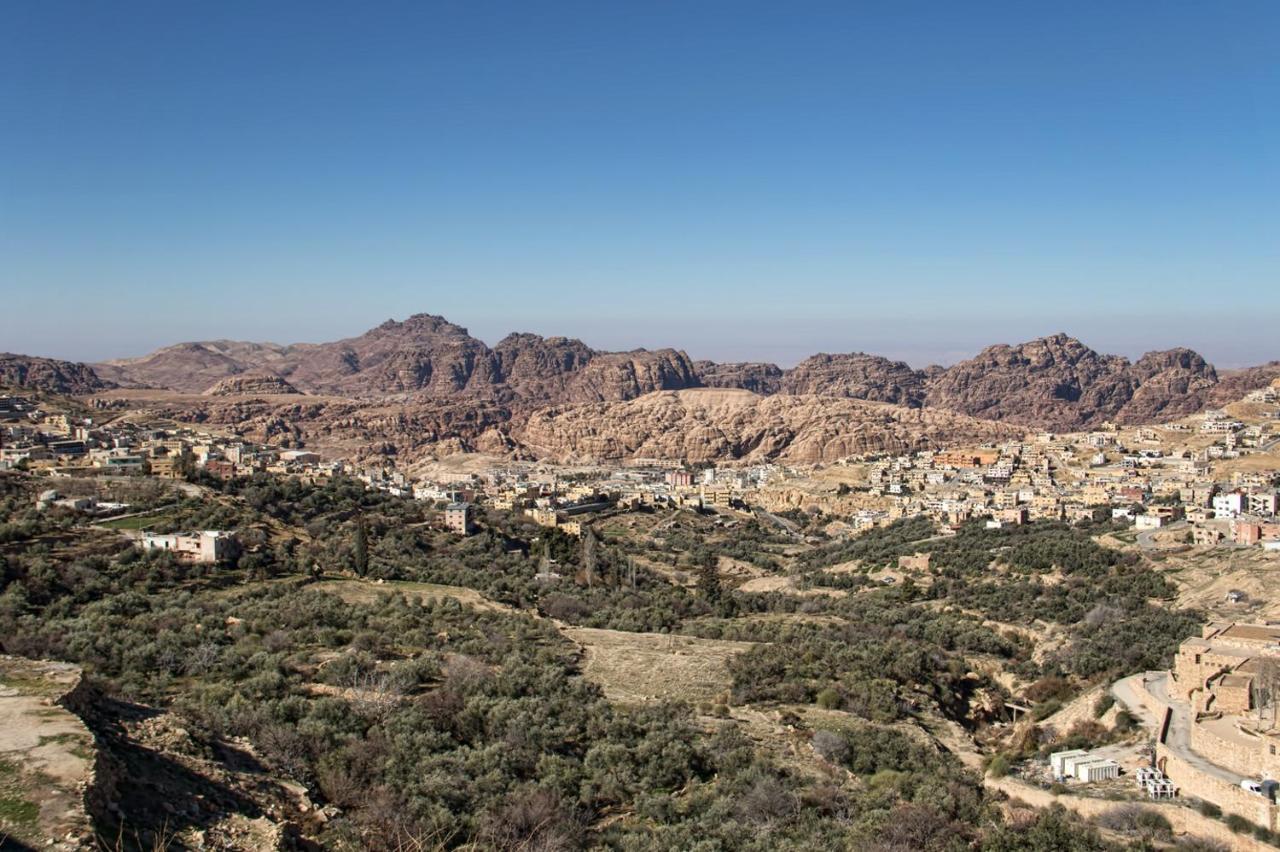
[1234, 384]
[426, 356]
[437, 369]
[1059, 383]
[722, 424]
[424, 353]
[251, 384]
[756, 377]
[856, 376]
[49, 375]
[1168, 385]
[1054, 382]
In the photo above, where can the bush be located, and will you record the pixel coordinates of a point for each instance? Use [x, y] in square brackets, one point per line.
[1125, 722]
[1105, 702]
[998, 767]
[1238, 824]
[829, 699]
[1154, 823]
[1046, 709]
[1209, 809]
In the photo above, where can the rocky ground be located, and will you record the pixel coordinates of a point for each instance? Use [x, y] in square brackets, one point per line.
[46, 757]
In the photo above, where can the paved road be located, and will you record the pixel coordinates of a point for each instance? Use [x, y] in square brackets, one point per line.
[1178, 738]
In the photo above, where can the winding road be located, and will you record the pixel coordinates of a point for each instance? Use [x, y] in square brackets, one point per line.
[1178, 738]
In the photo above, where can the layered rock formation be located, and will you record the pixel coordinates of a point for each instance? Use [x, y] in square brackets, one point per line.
[1059, 383]
[856, 376]
[49, 375]
[404, 385]
[424, 355]
[256, 384]
[753, 376]
[719, 424]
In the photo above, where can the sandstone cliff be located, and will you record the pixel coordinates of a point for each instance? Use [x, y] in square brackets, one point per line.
[436, 369]
[705, 425]
[257, 384]
[858, 376]
[755, 376]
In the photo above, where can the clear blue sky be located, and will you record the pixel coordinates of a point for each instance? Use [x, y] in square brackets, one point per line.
[743, 180]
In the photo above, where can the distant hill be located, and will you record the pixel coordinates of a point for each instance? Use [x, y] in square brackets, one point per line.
[424, 355]
[462, 386]
[49, 375]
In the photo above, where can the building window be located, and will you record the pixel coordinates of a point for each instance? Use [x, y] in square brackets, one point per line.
[1197, 659]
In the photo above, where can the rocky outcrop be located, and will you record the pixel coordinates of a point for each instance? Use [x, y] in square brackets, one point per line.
[856, 376]
[252, 384]
[756, 377]
[541, 368]
[49, 375]
[1233, 385]
[1055, 382]
[1167, 386]
[429, 364]
[719, 424]
[627, 375]
[1059, 383]
[424, 353]
[426, 356]
[50, 756]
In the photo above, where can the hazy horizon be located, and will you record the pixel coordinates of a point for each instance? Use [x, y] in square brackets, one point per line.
[829, 336]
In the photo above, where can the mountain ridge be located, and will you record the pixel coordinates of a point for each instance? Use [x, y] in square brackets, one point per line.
[1054, 382]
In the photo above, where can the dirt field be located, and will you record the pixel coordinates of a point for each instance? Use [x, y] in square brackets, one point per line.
[635, 668]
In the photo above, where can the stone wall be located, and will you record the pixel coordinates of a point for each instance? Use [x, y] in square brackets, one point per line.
[1195, 782]
[1251, 757]
[1183, 819]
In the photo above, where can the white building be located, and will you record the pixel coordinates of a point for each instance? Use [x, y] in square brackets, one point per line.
[1228, 505]
[204, 546]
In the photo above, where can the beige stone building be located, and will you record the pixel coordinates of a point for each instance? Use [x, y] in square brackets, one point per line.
[1216, 671]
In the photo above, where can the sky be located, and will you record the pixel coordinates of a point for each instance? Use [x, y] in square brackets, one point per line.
[743, 180]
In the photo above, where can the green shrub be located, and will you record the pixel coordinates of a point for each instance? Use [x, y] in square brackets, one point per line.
[829, 699]
[1125, 722]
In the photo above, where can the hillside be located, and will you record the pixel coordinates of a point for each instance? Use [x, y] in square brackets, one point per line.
[49, 375]
[704, 425]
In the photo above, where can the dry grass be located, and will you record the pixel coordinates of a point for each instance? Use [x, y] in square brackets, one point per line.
[1205, 575]
[368, 591]
[634, 668]
[787, 585]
